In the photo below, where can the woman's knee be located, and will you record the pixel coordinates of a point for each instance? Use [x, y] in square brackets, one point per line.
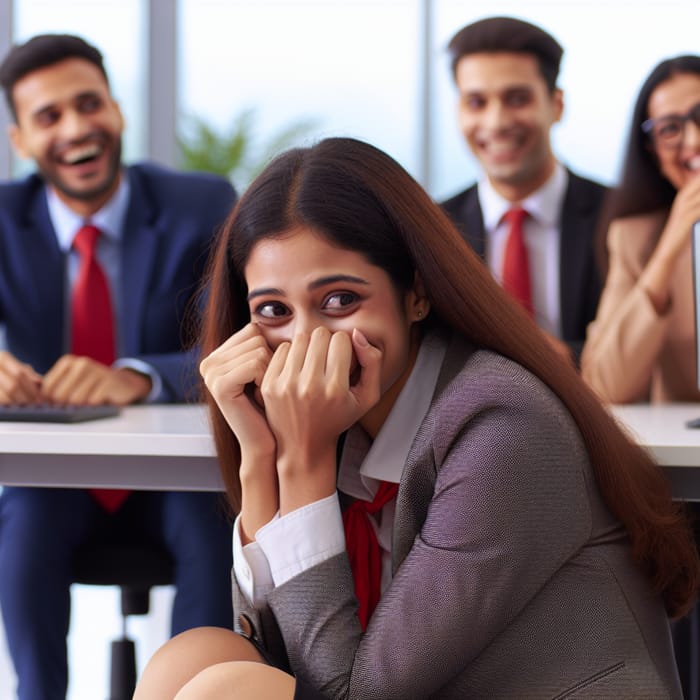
[185, 655]
[239, 680]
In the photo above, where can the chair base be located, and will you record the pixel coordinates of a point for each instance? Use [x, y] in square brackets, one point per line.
[122, 682]
[135, 569]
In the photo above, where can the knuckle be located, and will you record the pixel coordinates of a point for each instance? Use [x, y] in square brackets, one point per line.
[261, 358]
[258, 367]
[216, 380]
[334, 387]
[216, 385]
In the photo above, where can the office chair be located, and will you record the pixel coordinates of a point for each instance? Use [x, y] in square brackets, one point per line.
[135, 569]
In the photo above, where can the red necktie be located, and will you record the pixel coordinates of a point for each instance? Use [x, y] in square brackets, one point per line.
[92, 326]
[516, 268]
[363, 549]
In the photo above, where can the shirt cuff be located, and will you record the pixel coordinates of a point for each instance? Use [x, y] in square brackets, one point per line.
[303, 538]
[251, 569]
[144, 368]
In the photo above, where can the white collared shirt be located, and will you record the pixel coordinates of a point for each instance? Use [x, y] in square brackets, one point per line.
[542, 229]
[288, 545]
[110, 220]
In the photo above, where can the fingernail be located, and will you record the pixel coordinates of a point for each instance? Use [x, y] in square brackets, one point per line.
[359, 338]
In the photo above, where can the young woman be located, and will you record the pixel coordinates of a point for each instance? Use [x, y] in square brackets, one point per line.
[506, 539]
[642, 344]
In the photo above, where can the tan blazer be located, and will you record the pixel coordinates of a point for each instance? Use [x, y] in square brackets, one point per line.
[631, 352]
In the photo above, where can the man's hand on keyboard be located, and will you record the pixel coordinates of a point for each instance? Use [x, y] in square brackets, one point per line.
[19, 383]
[81, 380]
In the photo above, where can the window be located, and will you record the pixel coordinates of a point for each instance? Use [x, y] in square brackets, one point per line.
[349, 67]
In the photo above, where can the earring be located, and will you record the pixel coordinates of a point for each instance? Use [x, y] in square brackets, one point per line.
[419, 313]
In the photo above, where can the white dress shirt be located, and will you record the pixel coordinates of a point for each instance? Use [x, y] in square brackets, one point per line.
[110, 220]
[542, 231]
[288, 545]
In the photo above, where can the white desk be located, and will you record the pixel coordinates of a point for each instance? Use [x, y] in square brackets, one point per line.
[146, 447]
[170, 447]
[662, 430]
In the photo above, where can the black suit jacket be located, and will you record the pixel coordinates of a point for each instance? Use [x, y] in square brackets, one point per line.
[579, 277]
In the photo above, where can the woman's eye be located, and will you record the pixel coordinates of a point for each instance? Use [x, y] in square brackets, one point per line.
[271, 309]
[340, 301]
[669, 128]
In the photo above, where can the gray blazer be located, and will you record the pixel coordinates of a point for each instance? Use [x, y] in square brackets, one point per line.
[511, 578]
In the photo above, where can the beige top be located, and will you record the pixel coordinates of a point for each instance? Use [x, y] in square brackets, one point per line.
[632, 353]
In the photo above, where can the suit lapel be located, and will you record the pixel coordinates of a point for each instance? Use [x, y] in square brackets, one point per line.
[140, 245]
[46, 269]
[473, 218]
[420, 472]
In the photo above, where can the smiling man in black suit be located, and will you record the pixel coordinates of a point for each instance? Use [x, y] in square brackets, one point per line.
[506, 73]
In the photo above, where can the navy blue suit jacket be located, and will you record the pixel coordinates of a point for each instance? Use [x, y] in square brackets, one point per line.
[169, 226]
[579, 278]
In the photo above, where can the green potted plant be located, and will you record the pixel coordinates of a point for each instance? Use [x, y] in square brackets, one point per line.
[235, 152]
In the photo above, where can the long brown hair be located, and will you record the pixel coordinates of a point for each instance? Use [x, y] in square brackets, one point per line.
[362, 200]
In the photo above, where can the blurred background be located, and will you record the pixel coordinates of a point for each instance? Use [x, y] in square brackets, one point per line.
[224, 84]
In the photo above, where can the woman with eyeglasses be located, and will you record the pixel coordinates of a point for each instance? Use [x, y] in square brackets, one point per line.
[641, 345]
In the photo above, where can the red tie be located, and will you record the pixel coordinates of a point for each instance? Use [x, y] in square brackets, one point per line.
[363, 549]
[516, 269]
[92, 327]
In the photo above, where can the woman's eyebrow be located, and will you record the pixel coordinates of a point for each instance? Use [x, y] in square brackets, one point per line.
[266, 291]
[320, 282]
[333, 279]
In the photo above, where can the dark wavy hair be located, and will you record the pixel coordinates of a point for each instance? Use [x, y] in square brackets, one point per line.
[642, 188]
[41, 51]
[497, 34]
[360, 199]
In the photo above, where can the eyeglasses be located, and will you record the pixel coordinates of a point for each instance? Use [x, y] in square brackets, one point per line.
[668, 131]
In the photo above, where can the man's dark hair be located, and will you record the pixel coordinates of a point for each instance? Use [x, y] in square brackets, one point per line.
[41, 51]
[507, 34]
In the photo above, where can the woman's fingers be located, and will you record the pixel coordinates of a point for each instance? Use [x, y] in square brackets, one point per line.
[325, 381]
[231, 373]
[243, 359]
[368, 387]
[275, 367]
[339, 362]
[246, 340]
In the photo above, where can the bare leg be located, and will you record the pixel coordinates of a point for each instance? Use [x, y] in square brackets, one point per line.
[239, 680]
[185, 655]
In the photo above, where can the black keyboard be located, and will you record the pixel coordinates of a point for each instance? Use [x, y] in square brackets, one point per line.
[53, 413]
